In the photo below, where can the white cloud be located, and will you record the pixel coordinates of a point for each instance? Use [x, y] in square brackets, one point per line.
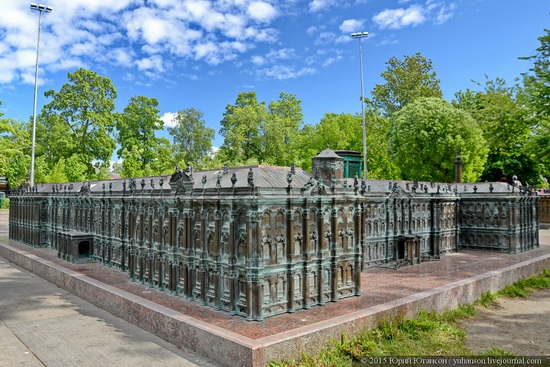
[25, 58]
[399, 18]
[436, 11]
[121, 56]
[331, 60]
[268, 35]
[261, 11]
[445, 13]
[191, 76]
[431, 4]
[8, 73]
[169, 119]
[352, 25]
[164, 3]
[343, 38]
[282, 72]
[282, 54]
[155, 30]
[80, 49]
[389, 41]
[133, 34]
[258, 60]
[320, 5]
[216, 53]
[324, 57]
[312, 30]
[325, 38]
[275, 64]
[153, 63]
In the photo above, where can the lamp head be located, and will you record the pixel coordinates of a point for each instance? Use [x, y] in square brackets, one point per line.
[41, 7]
[359, 35]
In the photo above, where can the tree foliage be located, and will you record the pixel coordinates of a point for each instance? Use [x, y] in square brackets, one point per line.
[17, 169]
[424, 139]
[345, 132]
[379, 162]
[14, 141]
[144, 153]
[405, 80]
[255, 133]
[336, 131]
[54, 140]
[241, 129]
[137, 124]
[283, 123]
[537, 91]
[506, 124]
[538, 81]
[83, 110]
[192, 139]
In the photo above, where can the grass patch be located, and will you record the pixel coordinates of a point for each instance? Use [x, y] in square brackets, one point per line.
[497, 351]
[525, 287]
[428, 334]
[487, 299]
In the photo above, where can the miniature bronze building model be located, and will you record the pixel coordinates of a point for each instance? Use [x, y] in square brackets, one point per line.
[259, 241]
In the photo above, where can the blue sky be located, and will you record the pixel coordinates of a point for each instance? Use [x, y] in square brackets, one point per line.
[201, 54]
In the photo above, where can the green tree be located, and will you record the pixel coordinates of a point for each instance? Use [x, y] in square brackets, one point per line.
[14, 140]
[405, 80]
[164, 163]
[54, 139]
[538, 80]
[506, 123]
[241, 128]
[192, 140]
[380, 164]
[345, 132]
[136, 127]
[537, 91]
[132, 164]
[85, 105]
[424, 139]
[57, 172]
[17, 169]
[336, 131]
[282, 125]
[256, 133]
[76, 168]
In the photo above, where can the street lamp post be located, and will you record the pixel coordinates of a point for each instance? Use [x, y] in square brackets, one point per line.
[361, 35]
[40, 8]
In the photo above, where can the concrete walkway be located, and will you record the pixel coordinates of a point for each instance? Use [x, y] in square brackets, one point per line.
[43, 325]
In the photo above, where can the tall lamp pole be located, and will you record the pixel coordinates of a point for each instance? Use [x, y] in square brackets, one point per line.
[361, 35]
[40, 8]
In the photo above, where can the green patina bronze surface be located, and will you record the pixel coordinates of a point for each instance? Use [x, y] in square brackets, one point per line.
[259, 241]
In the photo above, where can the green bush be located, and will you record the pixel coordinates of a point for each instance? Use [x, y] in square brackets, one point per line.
[5, 203]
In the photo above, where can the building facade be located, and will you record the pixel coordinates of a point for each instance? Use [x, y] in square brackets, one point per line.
[259, 241]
